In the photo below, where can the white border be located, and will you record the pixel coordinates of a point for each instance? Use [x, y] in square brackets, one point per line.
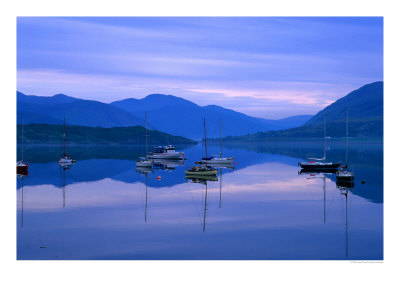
[196, 279]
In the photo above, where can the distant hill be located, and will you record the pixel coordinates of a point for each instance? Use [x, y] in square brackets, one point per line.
[43, 133]
[181, 117]
[52, 110]
[166, 113]
[365, 102]
[365, 118]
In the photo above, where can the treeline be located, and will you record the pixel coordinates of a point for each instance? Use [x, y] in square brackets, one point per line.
[53, 134]
[360, 128]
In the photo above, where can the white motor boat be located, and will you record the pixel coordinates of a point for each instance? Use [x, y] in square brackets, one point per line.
[165, 152]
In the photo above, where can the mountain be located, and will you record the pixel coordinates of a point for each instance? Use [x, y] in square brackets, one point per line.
[181, 117]
[52, 110]
[43, 133]
[166, 113]
[365, 118]
[365, 102]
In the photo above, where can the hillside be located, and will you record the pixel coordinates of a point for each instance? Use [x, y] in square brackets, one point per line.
[166, 113]
[181, 117]
[43, 133]
[365, 102]
[365, 118]
[52, 110]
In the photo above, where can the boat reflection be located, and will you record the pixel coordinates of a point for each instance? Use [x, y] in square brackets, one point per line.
[144, 171]
[315, 175]
[64, 167]
[21, 176]
[202, 179]
[344, 191]
[167, 165]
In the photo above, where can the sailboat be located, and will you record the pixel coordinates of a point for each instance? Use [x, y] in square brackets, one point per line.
[65, 158]
[344, 175]
[22, 167]
[144, 161]
[320, 164]
[202, 169]
[218, 159]
[203, 180]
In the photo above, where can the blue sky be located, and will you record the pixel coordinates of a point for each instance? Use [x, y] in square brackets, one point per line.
[270, 67]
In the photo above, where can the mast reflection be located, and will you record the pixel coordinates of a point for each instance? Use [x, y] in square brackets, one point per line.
[202, 180]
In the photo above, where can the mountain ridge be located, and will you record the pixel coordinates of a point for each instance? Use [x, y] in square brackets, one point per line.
[166, 113]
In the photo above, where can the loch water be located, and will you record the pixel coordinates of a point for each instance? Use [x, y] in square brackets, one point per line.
[103, 208]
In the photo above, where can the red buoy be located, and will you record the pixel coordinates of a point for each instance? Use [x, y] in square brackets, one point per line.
[158, 177]
[235, 162]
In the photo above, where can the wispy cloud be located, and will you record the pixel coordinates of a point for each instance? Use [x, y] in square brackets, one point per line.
[260, 66]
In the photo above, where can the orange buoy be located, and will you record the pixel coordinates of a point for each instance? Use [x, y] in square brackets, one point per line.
[158, 177]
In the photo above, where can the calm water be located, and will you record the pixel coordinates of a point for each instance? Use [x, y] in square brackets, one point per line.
[103, 208]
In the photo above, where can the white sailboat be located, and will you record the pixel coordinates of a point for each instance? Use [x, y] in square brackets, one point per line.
[218, 159]
[65, 159]
[202, 170]
[320, 164]
[344, 175]
[22, 167]
[144, 161]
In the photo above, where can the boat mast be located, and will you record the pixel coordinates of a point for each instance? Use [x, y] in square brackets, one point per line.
[220, 187]
[205, 139]
[64, 169]
[347, 234]
[22, 206]
[146, 138]
[324, 139]
[205, 210]
[22, 144]
[220, 138]
[145, 208]
[64, 137]
[347, 133]
[324, 200]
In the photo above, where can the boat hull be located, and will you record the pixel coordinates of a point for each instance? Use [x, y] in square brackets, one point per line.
[217, 161]
[346, 177]
[165, 156]
[319, 167]
[346, 184]
[202, 177]
[23, 170]
[201, 173]
[144, 164]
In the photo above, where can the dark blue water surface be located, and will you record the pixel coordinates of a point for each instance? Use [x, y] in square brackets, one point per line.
[262, 209]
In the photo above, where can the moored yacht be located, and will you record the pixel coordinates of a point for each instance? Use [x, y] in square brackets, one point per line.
[320, 164]
[344, 175]
[22, 167]
[218, 159]
[65, 158]
[202, 169]
[165, 152]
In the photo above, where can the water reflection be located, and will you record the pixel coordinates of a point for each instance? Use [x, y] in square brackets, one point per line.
[145, 171]
[272, 213]
[203, 179]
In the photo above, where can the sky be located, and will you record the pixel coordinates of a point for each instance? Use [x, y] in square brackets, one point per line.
[270, 67]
